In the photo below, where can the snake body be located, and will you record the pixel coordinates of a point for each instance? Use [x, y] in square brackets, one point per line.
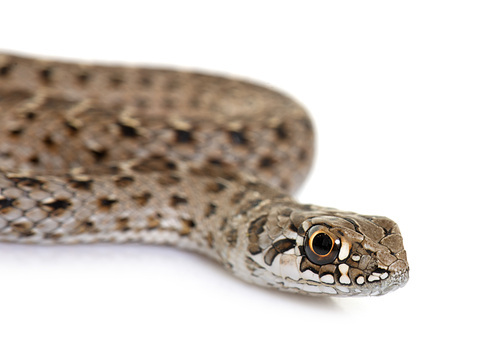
[92, 153]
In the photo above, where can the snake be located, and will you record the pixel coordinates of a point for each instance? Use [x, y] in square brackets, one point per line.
[111, 153]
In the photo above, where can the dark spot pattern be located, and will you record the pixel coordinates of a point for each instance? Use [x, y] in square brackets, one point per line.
[153, 221]
[183, 136]
[145, 81]
[35, 160]
[327, 269]
[6, 202]
[30, 115]
[303, 155]
[124, 181]
[116, 81]
[81, 183]
[232, 237]
[99, 154]
[153, 163]
[82, 78]
[251, 204]
[5, 70]
[168, 180]
[211, 209]
[278, 247]
[142, 199]
[46, 75]
[177, 200]
[86, 226]
[237, 197]
[210, 240]
[281, 132]
[122, 224]
[187, 226]
[15, 132]
[170, 165]
[238, 137]
[223, 224]
[24, 229]
[270, 255]
[216, 162]
[23, 181]
[128, 130]
[254, 230]
[284, 245]
[305, 264]
[48, 141]
[215, 187]
[56, 204]
[266, 162]
[106, 202]
[72, 126]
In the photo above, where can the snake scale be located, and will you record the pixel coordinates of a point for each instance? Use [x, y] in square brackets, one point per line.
[92, 153]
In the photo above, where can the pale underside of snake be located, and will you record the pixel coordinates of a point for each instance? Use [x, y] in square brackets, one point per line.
[93, 153]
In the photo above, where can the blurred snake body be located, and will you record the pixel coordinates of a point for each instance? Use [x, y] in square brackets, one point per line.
[92, 153]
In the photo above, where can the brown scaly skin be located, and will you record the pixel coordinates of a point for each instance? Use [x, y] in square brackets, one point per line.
[113, 154]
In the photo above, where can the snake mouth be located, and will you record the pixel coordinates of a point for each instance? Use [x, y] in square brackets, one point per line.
[395, 281]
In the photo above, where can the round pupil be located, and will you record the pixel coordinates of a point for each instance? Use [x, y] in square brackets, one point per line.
[322, 244]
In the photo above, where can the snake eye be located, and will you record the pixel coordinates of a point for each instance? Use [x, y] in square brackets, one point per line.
[321, 246]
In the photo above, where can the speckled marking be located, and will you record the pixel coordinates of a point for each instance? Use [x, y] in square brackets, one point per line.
[92, 153]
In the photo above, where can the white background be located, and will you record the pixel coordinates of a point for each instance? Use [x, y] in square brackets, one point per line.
[405, 97]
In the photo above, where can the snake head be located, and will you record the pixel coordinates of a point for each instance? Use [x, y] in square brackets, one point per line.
[322, 251]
